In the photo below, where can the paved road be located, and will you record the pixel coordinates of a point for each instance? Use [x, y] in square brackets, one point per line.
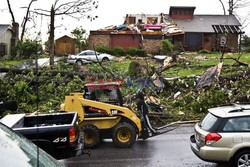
[171, 149]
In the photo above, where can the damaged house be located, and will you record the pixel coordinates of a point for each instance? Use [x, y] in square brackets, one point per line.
[6, 34]
[181, 25]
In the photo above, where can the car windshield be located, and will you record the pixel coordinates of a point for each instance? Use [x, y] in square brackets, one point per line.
[208, 122]
[16, 150]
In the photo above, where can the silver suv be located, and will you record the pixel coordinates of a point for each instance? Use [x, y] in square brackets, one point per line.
[224, 135]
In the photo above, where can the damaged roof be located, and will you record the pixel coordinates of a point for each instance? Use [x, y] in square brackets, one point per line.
[203, 23]
[3, 28]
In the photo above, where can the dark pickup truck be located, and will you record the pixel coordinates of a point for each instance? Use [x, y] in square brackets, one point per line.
[57, 134]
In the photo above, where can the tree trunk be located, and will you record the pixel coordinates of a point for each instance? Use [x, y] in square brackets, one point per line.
[11, 12]
[26, 20]
[51, 38]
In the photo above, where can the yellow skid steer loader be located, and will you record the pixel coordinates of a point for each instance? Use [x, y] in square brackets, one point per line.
[103, 116]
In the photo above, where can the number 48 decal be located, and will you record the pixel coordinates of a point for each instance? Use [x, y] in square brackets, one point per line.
[60, 139]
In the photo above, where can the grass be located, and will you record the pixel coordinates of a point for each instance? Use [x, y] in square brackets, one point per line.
[199, 66]
[11, 63]
[196, 67]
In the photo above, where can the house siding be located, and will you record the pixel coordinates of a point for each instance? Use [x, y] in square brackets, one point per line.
[125, 41]
[153, 46]
[6, 39]
[99, 40]
[211, 42]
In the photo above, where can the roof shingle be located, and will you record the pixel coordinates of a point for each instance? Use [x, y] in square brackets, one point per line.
[203, 23]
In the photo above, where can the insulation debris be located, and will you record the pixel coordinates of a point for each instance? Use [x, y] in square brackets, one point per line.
[147, 23]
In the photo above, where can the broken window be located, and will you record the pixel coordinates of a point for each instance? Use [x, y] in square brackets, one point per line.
[152, 20]
[131, 20]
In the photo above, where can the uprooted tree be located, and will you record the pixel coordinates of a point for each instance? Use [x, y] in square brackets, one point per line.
[77, 9]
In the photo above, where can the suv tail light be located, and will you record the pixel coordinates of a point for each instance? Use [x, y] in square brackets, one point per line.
[72, 136]
[212, 138]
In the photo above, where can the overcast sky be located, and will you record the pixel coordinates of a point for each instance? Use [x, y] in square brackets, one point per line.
[109, 12]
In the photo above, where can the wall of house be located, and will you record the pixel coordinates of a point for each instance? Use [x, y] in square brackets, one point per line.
[152, 46]
[64, 45]
[232, 42]
[97, 40]
[209, 41]
[212, 42]
[125, 41]
[6, 39]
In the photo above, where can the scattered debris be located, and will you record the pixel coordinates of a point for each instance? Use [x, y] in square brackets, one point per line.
[160, 57]
[159, 23]
[210, 76]
[200, 57]
[167, 62]
[180, 113]
[153, 99]
[176, 95]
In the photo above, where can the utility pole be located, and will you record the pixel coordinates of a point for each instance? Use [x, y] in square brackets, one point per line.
[231, 7]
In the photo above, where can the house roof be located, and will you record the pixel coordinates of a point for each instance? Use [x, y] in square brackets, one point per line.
[63, 37]
[3, 28]
[203, 23]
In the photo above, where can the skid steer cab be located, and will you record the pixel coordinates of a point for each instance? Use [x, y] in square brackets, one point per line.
[103, 116]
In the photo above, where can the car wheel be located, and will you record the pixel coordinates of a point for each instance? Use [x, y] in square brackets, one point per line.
[124, 135]
[105, 59]
[91, 136]
[242, 159]
[79, 62]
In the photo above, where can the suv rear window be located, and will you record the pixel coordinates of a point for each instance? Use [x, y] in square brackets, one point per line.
[209, 122]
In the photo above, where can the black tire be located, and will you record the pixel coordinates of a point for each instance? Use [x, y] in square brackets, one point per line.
[124, 135]
[91, 136]
[105, 59]
[241, 156]
[79, 62]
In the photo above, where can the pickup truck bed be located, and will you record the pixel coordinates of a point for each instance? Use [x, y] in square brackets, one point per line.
[58, 134]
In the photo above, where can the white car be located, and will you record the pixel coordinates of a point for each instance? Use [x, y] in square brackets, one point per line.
[88, 56]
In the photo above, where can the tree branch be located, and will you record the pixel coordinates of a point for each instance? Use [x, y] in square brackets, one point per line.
[11, 12]
[223, 7]
[39, 13]
[26, 18]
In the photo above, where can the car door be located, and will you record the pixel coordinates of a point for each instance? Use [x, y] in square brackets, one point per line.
[92, 56]
[84, 56]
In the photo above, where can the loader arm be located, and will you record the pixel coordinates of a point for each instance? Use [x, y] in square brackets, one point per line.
[76, 103]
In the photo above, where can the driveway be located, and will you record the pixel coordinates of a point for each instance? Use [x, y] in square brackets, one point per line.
[170, 149]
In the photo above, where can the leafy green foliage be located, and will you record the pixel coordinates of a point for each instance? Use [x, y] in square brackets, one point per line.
[51, 90]
[26, 49]
[133, 51]
[104, 49]
[167, 46]
[134, 69]
[79, 38]
[245, 40]
[119, 51]
[179, 47]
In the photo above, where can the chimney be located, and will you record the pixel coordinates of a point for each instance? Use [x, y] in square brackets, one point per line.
[182, 12]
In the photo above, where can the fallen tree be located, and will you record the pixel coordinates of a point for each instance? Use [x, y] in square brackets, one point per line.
[53, 72]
